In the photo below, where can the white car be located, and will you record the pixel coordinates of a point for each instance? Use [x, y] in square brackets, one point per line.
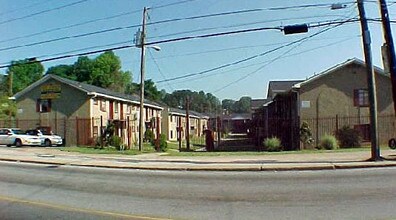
[46, 139]
[17, 137]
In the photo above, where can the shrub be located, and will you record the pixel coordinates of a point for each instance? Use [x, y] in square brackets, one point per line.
[272, 144]
[116, 142]
[163, 143]
[328, 142]
[149, 136]
[306, 134]
[348, 137]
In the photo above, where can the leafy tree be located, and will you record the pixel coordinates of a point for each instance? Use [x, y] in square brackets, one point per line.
[24, 72]
[103, 71]
[7, 107]
[228, 105]
[65, 71]
[243, 105]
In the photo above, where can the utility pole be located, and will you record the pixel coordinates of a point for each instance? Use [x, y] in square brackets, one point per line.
[142, 66]
[179, 133]
[10, 79]
[188, 123]
[390, 47]
[375, 152]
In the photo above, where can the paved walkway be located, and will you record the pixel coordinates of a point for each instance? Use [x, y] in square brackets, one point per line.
[159, 161]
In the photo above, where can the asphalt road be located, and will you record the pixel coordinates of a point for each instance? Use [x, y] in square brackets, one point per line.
[51, 192]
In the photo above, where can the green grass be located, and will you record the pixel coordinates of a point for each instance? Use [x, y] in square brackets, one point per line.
[147, 148]
[255, 153]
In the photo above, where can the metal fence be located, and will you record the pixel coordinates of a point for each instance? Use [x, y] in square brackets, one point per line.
[288, 130]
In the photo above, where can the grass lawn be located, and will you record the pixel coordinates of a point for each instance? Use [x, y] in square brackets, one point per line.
[147, 148]
[174, 152]
[174, 146]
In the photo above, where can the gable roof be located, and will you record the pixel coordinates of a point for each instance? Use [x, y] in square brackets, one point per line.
[89, 90]
[339, 66]
[281, 86]
[257, 103]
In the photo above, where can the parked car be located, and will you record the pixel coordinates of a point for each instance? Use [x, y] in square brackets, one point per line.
[17, 137]
[47, 139]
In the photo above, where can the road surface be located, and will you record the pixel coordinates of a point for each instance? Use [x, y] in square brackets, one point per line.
[64, 192]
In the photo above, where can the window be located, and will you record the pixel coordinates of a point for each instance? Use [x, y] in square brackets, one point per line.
[95, 101]
[171, 117]
[360, 98]
[115, 107]
[171, 134]
[43, 105]
[103, 105]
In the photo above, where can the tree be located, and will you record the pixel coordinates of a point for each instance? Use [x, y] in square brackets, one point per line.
[103, 71]
[243, 105]
[228, 105]
[65, 71]
[24, 72]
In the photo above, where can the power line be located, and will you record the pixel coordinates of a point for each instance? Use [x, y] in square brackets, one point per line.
[256, 64]
[42, 12]
[300, 41]
[89, 22]
[173, 40]
[22, 8]
[237, 48]
[159, 69]
[240, 25]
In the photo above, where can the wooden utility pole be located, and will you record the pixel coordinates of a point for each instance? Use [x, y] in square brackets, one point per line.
[390, 47]
[375, 152]
[179, 133]
[142, 66]
[188, 123]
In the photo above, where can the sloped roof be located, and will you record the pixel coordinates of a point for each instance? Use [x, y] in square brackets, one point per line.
[237, 116]
[257, 103]
[90, 90]
[332, 69]
[281, 86]
[182, 112]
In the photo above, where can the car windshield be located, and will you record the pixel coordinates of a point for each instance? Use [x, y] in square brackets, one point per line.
[17, 131]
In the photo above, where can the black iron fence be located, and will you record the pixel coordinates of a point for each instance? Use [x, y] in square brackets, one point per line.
[288, 129]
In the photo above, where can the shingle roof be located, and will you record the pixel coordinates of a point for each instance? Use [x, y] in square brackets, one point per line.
[89, 89]
[257, 103]
[281, 86]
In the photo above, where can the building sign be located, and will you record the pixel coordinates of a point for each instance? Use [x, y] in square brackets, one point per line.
[50, 91]
[305, 104]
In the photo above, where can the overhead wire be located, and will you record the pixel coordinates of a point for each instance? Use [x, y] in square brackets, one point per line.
[299, 41]
[180, 39]
[23, 8]
[260, 63]
[159, 69]
[42, 12]
[89, 22]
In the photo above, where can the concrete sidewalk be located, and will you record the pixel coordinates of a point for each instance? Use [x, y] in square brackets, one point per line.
[159, 161]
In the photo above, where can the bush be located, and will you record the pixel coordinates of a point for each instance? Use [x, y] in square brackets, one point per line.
[348, 137]
[272, 144]
[328, 142]
[116, 142]
[149, 136]
[163, 143]
[306, 134]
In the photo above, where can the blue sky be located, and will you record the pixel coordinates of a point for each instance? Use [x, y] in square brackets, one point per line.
[19, 18]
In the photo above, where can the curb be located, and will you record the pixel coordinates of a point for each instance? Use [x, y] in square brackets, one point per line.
[214, 169]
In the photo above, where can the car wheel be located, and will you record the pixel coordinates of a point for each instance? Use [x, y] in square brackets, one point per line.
[392, 143]
[47, 143]
[18, 143]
